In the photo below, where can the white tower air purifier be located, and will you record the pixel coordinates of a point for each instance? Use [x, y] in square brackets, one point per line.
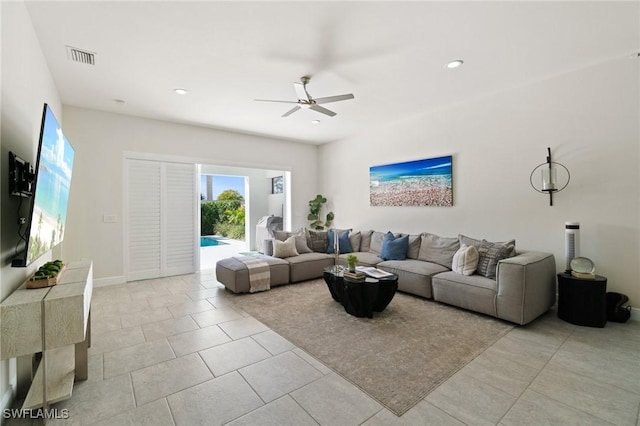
[572, 242]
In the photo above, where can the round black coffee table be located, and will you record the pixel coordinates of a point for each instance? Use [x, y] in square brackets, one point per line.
[360, 298]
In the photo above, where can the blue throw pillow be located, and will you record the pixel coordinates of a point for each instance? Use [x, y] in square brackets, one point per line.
[394, 248]
[344, 245]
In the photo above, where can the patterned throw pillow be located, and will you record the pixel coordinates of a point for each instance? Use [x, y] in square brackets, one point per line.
[317, 240]
[285, 248]
[477, 243]
[465, 261]
[489, 255]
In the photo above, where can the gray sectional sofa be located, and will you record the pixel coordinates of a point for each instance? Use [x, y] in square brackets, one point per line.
[517, 286]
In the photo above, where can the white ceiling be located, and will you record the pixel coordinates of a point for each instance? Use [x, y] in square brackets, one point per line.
[390, 55]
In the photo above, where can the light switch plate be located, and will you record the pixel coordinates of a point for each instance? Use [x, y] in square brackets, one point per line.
[109, 218]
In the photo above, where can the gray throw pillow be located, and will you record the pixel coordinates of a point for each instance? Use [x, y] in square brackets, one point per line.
[377, 238]
[365, 242]
[355, 238]
[414, 246]
[439, 250]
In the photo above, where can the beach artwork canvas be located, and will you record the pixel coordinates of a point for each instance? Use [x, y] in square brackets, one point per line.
[413, 183]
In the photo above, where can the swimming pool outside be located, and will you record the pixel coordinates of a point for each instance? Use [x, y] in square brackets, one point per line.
[211, 240]
[226, 247]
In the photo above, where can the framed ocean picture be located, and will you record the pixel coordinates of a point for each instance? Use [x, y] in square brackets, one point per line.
[425, 182]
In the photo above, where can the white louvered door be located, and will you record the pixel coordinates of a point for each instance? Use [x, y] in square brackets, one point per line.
[179, 215]
[160, 228]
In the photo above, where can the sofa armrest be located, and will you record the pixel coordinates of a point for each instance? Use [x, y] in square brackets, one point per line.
[526, 286]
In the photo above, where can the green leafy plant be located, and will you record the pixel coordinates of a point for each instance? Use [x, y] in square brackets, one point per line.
[224, 217]
[351, 259]
[315, 207]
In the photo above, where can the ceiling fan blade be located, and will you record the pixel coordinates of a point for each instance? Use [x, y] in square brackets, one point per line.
[333, 98]
[291, 111]
[272, 100]
[301, 92]
[318, 108]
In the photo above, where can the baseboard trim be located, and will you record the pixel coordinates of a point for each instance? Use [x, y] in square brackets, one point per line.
[104, 282]
[635, 314]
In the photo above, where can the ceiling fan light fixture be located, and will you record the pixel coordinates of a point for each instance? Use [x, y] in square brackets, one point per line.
[455, 63]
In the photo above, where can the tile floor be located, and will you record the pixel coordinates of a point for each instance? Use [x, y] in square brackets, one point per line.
[176, 351]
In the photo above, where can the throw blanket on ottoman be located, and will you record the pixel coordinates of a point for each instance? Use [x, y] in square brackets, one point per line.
[259, 274]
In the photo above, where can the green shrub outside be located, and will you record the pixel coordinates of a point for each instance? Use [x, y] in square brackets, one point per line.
[229, 230]
[223, 217]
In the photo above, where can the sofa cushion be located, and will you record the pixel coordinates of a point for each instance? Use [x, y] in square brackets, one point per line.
[317, 240]
[354, 238]
[414, 276]
[365, 242]
[414, 246]
[394, 248]
[472, 292]
[436, 249]
[308, 266]
[365, 258]
[465, 261]
[376, 242]
[344, 244]
[285, 248]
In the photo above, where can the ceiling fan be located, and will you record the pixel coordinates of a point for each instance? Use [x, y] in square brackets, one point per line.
[305, 100]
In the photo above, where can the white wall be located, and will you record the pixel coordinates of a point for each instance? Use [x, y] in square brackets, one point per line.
[589, 118]
[26, 85]
[100, 139]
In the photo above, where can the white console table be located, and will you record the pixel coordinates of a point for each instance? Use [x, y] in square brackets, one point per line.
[55, 321]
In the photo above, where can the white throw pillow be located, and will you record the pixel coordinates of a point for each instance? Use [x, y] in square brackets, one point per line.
[286, 248]
[465, 260]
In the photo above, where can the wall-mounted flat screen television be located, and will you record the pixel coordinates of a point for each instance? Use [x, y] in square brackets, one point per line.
[48, 207]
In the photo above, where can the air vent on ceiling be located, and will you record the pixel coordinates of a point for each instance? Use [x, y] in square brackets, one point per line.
[83, 56]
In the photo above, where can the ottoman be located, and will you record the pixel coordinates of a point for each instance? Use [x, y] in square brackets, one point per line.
[234, 275]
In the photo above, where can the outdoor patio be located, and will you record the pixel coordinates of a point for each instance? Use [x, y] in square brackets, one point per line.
[210, 255]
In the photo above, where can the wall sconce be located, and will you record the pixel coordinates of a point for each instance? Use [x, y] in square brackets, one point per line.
[554, 177]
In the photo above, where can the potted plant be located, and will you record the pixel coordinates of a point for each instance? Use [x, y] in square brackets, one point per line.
[351, 259]
[315, 206]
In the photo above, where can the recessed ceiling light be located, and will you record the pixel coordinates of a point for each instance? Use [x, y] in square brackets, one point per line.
[180, 91]
[315, 121]
[455, 64]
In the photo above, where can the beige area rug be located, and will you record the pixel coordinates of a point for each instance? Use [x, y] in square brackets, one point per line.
[397, 357]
